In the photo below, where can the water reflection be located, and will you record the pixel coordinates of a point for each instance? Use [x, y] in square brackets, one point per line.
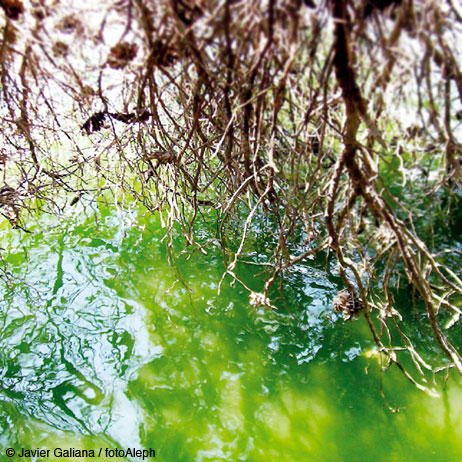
[103, 348]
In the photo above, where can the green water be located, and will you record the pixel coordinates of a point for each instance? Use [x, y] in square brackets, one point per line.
[101, 348]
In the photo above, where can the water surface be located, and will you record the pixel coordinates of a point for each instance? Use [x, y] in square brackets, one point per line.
[103, 344]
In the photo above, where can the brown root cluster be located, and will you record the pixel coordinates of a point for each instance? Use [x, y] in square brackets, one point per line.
[338, 119]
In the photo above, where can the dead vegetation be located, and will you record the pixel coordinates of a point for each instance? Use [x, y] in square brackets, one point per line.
[336, 118]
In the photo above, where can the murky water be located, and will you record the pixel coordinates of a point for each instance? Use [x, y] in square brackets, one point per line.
[104, 349]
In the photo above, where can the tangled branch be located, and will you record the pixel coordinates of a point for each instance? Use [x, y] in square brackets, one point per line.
[337, 122]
